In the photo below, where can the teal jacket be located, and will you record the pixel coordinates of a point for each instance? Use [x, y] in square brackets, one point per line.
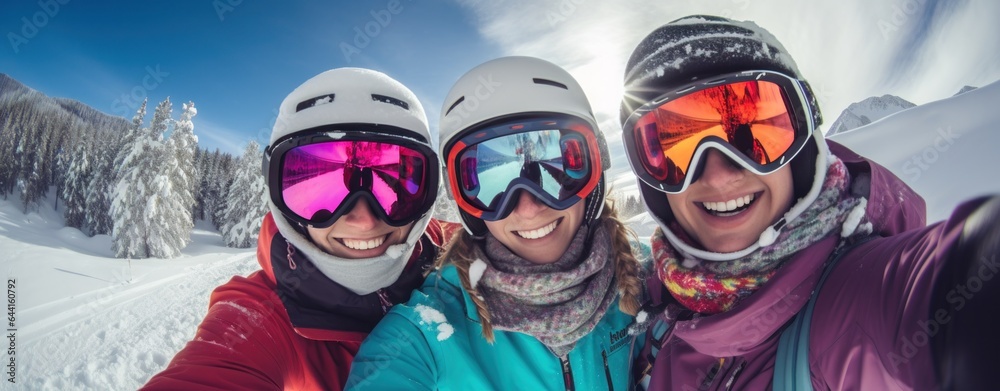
[435, 341]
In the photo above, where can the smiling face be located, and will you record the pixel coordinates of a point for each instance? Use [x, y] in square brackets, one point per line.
[728, 207]
[536, 232]
[358, 234]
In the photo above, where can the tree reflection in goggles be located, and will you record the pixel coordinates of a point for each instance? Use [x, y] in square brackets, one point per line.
[751, 116]
[557, 162]
[317, 178]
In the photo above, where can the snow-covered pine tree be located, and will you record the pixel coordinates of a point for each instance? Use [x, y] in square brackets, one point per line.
[210, 187]
[224, 172]
[143, 184]
[128, 198]
[167, 217]
[247, 200]
[632, 206]
[32, 178]
[204, 173]
[64, 155]
[74, 191]
[98, 201]
[185, 178]
[198, 212]
[8, 144]
[128, 140]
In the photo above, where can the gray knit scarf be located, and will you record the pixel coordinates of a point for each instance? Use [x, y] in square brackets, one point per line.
[557, 303]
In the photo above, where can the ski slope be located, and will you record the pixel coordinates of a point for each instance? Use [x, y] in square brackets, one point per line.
[88, 321]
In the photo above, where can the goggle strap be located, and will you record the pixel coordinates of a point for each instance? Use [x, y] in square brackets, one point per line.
[594, 205]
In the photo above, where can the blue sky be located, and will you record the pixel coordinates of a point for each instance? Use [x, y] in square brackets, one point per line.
[235, 62]
[237, 59]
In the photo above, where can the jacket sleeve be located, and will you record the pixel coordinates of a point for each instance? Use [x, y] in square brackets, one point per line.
[239, 345]
[965, 349]
[395, 356]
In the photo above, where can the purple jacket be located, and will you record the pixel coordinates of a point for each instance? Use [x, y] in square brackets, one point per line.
[872, 324]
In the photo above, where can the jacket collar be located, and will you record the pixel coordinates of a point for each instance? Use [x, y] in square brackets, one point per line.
[322, 309]
[757, 318]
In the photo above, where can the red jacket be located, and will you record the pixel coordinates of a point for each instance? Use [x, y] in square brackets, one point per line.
[287, 326]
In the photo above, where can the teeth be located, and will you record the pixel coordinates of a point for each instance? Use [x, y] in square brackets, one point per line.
[730, 205]
[538, 233]
[361, 244]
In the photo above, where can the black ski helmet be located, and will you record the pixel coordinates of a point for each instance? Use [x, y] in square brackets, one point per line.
[702, 46]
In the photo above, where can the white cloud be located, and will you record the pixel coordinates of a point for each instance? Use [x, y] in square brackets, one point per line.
[846, 49]
[964, 50]
[212, 135]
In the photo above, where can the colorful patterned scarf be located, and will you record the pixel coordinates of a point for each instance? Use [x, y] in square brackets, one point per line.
[713, 287]
[557, 303]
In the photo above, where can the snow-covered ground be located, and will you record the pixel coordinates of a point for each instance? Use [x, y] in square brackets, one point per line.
[86, 320]
[945, 150]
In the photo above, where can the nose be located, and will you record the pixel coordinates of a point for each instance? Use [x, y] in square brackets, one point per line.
[719, 172]
[528, 206]
[361, 217]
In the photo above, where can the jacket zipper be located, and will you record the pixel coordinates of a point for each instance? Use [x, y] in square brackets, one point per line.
[607, 370]
[735, 374]
[383, 298]
[567, 374]
[719, 371]
[712, 373]
[291, 262]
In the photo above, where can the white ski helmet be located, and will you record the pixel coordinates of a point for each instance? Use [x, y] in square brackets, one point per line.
[509, 86]
[351, 96]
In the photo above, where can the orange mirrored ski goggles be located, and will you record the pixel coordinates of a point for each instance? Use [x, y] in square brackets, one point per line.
[759, 119]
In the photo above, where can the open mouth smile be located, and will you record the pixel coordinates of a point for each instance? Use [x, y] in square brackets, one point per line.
[363, 244]
[731, 207]
[540, 232]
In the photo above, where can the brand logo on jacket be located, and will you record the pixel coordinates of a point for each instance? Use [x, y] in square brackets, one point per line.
[619, 339]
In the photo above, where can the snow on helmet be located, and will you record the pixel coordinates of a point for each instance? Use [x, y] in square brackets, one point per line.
[358, 97]
[698, 47]
[510, 86]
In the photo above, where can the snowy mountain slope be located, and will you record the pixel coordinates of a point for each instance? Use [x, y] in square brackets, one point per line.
[10, 86]
[945, 150]
[12, 90]
[867, 111]
[85, 320]
[965, 89]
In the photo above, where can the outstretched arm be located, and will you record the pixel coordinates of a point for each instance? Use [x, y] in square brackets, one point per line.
[965, 350]
[233, 349]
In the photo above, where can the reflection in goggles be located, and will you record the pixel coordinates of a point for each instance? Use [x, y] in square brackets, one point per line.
[317, 178]
[752, 116]
[555, 161]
